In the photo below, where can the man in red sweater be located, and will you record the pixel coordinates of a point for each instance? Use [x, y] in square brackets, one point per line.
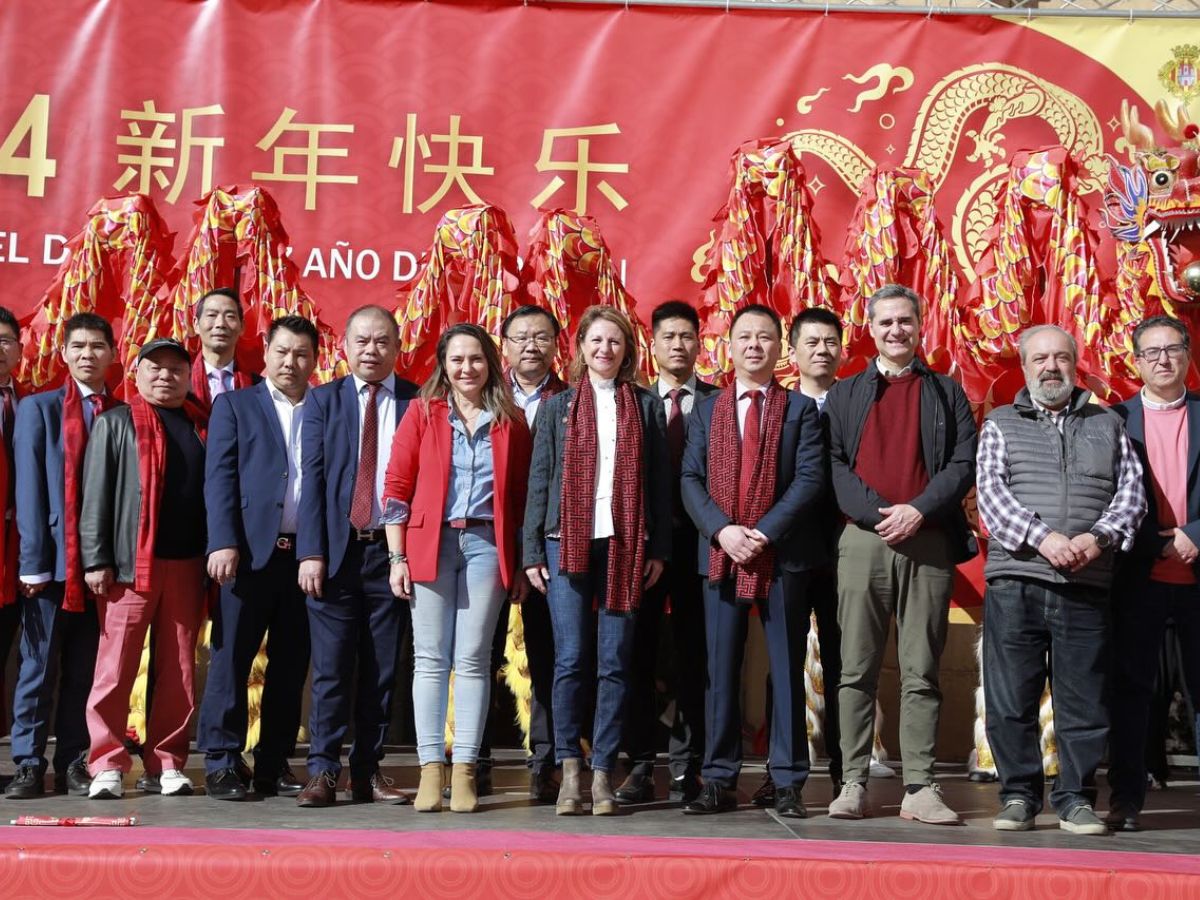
[902, 456]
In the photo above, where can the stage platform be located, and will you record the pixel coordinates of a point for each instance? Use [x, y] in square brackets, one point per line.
[194, 846]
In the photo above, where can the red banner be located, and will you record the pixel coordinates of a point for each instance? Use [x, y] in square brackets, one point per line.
[367, 120]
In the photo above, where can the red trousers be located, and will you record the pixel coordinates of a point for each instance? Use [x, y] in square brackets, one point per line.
[174, 605]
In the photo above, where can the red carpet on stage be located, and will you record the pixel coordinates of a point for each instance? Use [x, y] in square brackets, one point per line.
[160, 863]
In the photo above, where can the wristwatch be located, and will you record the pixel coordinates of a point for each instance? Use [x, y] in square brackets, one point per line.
[1103, 541]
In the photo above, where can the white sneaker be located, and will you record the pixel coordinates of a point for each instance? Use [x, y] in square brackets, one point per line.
[108, 785]
[175, 783]
[880, 770]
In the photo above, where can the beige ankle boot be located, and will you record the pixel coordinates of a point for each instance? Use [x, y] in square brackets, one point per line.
[604, 801]
[462, 788]
[570, 798]
[429, 791]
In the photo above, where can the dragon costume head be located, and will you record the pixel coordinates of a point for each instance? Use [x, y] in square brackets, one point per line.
[1154, 213]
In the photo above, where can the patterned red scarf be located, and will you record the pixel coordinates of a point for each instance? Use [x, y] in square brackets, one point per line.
[75, 438]
[200, 386]
[151, 440]
[627, 547]
[724, 461]
[10, 539]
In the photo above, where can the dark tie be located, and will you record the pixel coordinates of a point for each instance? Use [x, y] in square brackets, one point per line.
[94, 408]
[675, 426]
[364, 482]
[751, 438]
[10, 416]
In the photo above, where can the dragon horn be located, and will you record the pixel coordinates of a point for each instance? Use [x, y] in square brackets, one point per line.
[1172, 118]
[1137, 135]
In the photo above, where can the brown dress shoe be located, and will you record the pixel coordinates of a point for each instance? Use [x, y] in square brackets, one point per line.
[321, 790]
[379, 789]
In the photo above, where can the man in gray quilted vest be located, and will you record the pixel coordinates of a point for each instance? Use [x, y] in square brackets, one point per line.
[1060, 492]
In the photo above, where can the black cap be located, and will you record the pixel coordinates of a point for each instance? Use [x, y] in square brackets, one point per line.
[163, 344]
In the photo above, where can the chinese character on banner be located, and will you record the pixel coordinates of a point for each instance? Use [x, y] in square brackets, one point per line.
[311, 152]
[153, 152]
[581, 165]
[454, 172]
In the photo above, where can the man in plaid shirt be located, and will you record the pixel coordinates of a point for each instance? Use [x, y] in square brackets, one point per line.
[1060, 491]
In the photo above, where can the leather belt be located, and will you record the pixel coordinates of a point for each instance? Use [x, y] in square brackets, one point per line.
[286, 542]
[462, 524]
[367, 536]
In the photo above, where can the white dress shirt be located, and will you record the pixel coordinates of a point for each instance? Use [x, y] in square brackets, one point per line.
[219, 380]
[291, 422]
[606, 452]
[686, 402]
[531, 401]
[743, 402]
[886, 368]
[385, 404]
[819, 399]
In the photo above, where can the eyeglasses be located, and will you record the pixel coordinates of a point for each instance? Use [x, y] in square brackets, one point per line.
[1151, 354]
[542, 340]
[7, 343]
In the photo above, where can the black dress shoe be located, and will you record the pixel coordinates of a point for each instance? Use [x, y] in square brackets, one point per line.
[765, 795]
[151, 784]
[26, 784]
[75, 781]
[225, 784]
[635, 789]
[245, 776]
[713, 799]
[684, 789]
[542, 786]
[284, 784]
[789, 805]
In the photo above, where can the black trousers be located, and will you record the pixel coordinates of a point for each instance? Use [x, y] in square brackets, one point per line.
[10, 623]
[684, 588]
[256, 604]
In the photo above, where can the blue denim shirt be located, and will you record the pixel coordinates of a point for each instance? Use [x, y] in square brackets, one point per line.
[472, 480]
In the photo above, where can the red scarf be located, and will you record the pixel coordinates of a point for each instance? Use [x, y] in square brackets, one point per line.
[724, 460]
[200, 386]
[10, 539]
[627, 547]
[75, 438]
[151, 440]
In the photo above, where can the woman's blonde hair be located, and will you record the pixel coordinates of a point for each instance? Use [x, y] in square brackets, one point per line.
[497, 396]
[629, 362]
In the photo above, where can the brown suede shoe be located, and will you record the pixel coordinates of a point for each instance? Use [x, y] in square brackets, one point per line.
[321, 790]
[429, 791]
[463, 798]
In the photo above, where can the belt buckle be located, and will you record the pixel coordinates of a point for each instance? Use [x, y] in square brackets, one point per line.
[366, 535]
[284, 543]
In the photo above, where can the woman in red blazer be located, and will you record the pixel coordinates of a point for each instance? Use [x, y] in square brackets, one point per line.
[454, 500]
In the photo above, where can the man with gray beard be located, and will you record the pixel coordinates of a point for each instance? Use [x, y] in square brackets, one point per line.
[1060, 491]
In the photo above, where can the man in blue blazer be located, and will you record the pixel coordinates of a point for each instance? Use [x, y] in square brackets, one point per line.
[59, 633]
[755, 512]
[1157, 581]
[354, 618]
[251, 491]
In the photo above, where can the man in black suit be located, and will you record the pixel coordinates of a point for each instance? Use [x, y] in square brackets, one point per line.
[754, 511]
[354, 618]
[675, 345]
[1157, 581]
[251, 491]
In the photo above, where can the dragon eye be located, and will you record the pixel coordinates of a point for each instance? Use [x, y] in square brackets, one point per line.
[1162, 179]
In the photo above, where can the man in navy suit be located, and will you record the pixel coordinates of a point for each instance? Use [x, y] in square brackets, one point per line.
[1157, 581]
[354, 618]
[755, 516]
[251, 491]
[59, 637]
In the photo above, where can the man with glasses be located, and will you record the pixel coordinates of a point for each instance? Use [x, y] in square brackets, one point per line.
[1156, 583]
[530, 342]
[1060, 491]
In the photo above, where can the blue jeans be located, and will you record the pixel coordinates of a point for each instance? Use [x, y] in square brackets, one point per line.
[571, 599]
[454, 618]
[1032, 630]
[1140, 613]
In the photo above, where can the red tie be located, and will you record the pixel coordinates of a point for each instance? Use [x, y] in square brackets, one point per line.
[364, 481]
[750, 440]
[675, 427]
[96, 402]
